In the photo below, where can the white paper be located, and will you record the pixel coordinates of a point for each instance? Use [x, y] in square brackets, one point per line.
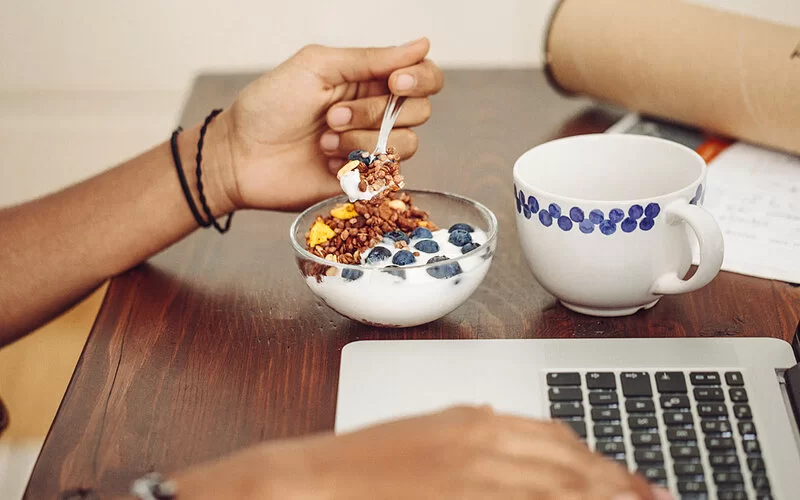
[753, 193]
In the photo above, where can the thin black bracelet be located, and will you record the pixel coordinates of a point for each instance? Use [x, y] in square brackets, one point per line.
[203, 202]
[176, 157]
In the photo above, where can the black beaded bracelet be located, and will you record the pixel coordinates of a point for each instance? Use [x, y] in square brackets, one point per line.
[203, 202]
[187, 193]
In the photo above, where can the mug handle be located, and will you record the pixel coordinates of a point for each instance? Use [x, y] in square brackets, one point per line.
[711, 249]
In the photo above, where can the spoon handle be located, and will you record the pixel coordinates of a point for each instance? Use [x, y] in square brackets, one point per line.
[390, 115]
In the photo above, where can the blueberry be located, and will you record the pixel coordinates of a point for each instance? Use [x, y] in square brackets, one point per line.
[396, 271]
[378, 254]
[459, 238]
[427, 246]
[396, 236]
[596, 216]
[635, 212]
[555, 210]
[616, 215]
[443, 271]
[470, 247]
[356, 155]
[576, 214]
[351, 274]
[545, 218]
[461, 226]
[421, 232]
[403, 258]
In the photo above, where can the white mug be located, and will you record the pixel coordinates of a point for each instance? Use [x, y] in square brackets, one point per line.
[602, 220]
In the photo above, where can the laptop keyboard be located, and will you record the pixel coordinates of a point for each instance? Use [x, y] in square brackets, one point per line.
[692, 432]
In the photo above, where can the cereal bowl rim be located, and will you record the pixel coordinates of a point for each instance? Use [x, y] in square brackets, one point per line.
[490, 236]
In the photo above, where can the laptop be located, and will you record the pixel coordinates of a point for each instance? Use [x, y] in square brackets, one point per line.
[713, 418]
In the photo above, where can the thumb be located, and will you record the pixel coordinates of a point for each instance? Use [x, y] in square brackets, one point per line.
[340, 65]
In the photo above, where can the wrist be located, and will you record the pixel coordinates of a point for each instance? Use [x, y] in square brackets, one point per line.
[219, 182]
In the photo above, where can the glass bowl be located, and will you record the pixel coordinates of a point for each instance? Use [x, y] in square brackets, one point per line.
[400, 296]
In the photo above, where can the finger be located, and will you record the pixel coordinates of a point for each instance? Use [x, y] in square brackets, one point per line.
[545, 479]
[420, 80]
[340, 65]
[334, 144]
[368, 113]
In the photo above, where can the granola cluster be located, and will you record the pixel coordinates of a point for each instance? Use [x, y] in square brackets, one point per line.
[350, 229]
[380, 175]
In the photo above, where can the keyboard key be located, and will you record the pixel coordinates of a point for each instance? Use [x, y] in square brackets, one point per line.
[673, 418]
[640, 405]
[642, 422]
[636, 384]
[642, 439]
[579, 426]
[653, 473]
[563, 379]
[603, 398]
[681, 435]
[747, 428]
[751, 447]
[742, 412]
[565, 394]
[732, 494]
[600, 380]
[610, 447]
[712, 410]
[720, 443]
[688, 469]
[684, 451]
[674, 402]
[648, 457]
[760, 481]
[691, 487]
[715, 426]
[734, 379]
[671, 382]
[560, 410]
[709, 394]
[725, 461]
[704, 378]
[728, 478]
[608, 430]
[605, 414]
[755, 464]
[738, 395]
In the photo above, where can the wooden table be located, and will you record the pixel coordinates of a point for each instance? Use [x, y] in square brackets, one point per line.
[216, 343]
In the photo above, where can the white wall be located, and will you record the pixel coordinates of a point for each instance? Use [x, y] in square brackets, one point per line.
[86, 84]
[160, 44]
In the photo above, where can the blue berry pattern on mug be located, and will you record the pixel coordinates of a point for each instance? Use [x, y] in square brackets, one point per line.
[576, 214]
[638, 217]
[698, 196]
[545, 218]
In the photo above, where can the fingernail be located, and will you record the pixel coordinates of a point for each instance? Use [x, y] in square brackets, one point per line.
[329, 141]
[660, 493]
[412, 42]
[404, 82]
[340, 116]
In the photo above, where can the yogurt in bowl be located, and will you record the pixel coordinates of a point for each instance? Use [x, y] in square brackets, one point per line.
[386, 288]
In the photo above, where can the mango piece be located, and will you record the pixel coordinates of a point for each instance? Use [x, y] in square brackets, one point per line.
[345, 211]
[320, 233]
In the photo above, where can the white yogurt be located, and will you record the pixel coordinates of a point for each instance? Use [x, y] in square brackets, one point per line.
[417, 297]
[350, 182]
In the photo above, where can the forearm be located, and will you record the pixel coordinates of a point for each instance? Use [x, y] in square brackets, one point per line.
[55, 250]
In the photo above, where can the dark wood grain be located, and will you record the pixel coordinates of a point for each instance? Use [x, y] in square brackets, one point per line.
[216, 343]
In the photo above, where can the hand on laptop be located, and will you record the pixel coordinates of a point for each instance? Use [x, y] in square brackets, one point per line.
[458, 453]
[290, 129]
